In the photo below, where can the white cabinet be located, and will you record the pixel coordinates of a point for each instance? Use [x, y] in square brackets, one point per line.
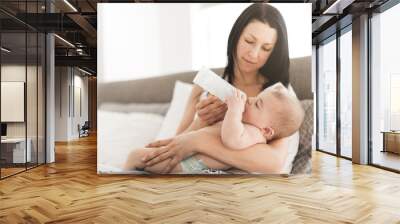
[17, 146]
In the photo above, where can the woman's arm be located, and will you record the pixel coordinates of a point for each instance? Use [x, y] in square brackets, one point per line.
[190, 110]
[260, 158]
[209, 111]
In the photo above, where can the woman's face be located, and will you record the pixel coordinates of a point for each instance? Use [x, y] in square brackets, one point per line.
[255, 46]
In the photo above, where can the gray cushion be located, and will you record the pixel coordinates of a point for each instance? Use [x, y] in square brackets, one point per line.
[155, 108]
[149, 90]
[300, 77]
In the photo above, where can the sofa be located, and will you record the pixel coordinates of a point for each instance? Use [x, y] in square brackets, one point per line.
[153, 95]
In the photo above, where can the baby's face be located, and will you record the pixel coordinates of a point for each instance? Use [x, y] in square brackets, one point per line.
[257, 110]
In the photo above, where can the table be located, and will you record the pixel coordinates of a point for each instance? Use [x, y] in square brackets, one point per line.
[391, 141]
[16, 147]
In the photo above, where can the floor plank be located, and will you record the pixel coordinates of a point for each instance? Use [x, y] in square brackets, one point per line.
[70, 191]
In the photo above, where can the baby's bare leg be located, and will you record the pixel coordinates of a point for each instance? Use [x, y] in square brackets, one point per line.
[134, 161]
[160, 167]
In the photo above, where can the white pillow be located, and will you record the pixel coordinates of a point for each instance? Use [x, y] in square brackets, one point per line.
[176, 110]
[120, 133]
[292, 151]
[154, 108]
[291, 91]
[293, 145]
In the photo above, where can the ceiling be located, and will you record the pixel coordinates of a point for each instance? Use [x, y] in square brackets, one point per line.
[76, 22]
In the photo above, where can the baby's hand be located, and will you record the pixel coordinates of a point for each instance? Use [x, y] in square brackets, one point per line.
[236, 101]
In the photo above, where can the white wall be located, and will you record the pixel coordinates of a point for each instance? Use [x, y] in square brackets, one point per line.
[139, 40]
[175, 38]
[67, 80]
[212, 24]
[61, 103]
[144, 40]
[81, 83]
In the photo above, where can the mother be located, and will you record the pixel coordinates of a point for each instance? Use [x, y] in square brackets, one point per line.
[258, 57]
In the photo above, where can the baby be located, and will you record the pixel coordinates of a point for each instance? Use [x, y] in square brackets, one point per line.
[274, 113]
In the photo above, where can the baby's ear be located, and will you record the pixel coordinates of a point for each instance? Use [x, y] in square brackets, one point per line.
[268, 133]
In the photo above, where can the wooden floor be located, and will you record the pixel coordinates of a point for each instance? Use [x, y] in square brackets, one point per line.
[70, 191]
[10, 171]
[387, 159]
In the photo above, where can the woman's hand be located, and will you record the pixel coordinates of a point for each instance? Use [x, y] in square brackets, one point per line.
[177, 149]
[211, 110]
[159, 143]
